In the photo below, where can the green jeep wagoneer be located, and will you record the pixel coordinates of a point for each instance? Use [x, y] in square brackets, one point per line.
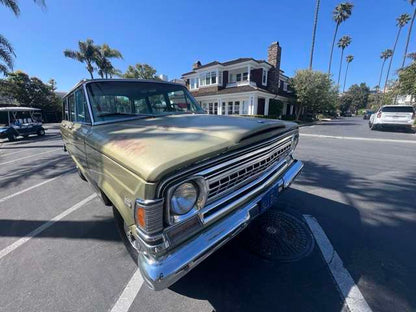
[181, 183]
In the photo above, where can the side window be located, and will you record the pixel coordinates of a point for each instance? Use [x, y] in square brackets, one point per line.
[140, 106]
[65, 109]
[81, 106]
[71, 107]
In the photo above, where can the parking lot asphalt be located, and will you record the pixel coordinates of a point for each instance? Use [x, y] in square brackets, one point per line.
[361, 191]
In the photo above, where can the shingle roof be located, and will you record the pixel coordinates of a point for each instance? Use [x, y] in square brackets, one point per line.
[227, 63]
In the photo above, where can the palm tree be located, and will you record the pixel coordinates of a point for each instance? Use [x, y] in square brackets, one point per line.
[402, 20]
[102, 59]
[6, 49]
[315, 25]
[349, 59]
[87, 54]
[12, 5]
[340, 14]
[385, 55]
[412, 2]
[344, 42]
[6, 55]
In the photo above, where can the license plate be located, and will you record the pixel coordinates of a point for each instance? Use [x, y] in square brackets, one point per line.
[269, 198]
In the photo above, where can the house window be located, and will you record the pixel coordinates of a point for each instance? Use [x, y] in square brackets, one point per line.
[245, 76]
[223, 108]
[238, 77]
[285, 86]
[237, 107]
[208, 78]
[194, 83]
[230, 108]
[264, 77]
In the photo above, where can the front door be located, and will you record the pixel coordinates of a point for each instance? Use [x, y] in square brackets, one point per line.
[260, 106]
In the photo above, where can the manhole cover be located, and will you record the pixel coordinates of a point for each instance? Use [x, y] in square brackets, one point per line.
[280, 235]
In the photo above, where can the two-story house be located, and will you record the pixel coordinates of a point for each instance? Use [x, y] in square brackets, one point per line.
[244, 86]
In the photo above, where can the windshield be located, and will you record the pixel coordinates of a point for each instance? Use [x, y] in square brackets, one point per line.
[397, 109]
[125, 99]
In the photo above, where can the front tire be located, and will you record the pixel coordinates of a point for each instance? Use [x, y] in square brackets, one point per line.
[41, 132]
[12, 137]
[126, 236]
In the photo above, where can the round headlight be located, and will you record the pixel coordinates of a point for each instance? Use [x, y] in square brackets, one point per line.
[184, 198]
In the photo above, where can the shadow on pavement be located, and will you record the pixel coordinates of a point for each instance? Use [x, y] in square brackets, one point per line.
[376, 246]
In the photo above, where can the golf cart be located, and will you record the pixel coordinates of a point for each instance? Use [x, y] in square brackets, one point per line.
[20, 121]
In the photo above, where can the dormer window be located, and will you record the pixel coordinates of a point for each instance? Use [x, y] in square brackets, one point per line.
[264, 77]
[194, 83]
[208, 78]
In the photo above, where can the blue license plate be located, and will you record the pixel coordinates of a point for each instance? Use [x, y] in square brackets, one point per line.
[269, 198]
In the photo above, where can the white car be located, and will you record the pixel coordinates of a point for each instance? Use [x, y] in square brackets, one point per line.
[393, 116]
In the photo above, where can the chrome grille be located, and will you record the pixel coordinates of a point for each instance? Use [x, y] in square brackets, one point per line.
[246, 170]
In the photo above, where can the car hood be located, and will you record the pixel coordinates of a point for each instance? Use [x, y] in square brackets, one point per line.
[155, 147]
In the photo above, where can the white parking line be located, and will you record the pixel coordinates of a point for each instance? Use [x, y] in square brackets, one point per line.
[129, 293]
[348, 290]
[356, 138]
[4, 252]
[30, 156]
[27, 189]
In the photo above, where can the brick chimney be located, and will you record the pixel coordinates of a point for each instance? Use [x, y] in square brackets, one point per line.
[196, 65]
[274, 53]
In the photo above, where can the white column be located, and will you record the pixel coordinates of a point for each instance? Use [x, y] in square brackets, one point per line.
[266, 106]
[255, 103]
[248, 76]
[219, 107]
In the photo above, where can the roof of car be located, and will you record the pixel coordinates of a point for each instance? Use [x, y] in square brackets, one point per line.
[86, 81]
[18, 109]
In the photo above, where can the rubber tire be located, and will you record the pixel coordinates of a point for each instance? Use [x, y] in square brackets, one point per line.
[374, 127]
[11, 137]
[26, 136]
[134, 253]
[41, 132]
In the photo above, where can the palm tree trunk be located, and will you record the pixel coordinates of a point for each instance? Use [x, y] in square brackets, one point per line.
[315, 25]
[332, 49]
[408, 38]
[381, 74]
[340, 66]
[345, 78]
[391, 59]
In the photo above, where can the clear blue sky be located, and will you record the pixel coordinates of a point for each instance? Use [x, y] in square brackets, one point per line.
[171, 35]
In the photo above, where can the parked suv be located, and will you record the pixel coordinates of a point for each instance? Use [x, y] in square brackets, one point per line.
[393, 116]
[182, 183]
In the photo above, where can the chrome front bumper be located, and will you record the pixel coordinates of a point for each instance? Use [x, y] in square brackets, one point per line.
[162, 272]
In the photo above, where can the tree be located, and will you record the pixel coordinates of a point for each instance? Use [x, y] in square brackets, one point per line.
[412, 2]
[344, 42]
[314, 91]
[407, 78]
[349, 59]
[315, 25]
[340, 14]
[140, 71]
[402, 20]
[86, 54]
[6, 55]
[6, 49]
[102, 60]
[385, 55]
[12, 5]
[30, 91]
